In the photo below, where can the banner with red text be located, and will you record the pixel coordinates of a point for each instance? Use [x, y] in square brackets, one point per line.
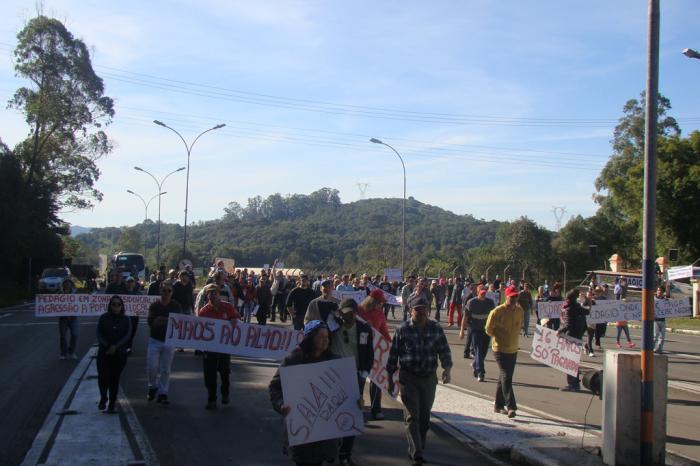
[221, 336]
[378, 375]
[86, 305]
[388, 297]
[563, 353]
[606, 310]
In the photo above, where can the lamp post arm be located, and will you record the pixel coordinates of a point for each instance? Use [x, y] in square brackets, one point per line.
[178, 135]
[151, 175]
[199, 136]
[160, 186]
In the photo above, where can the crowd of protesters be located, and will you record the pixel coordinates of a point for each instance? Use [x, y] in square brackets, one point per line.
[487, 314]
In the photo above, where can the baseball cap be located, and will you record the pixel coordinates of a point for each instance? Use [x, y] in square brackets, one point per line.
[348, 305]
[312, 326]
[418, 300]
[512, 291]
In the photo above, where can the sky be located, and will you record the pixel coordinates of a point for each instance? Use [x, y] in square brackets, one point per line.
[499, 109]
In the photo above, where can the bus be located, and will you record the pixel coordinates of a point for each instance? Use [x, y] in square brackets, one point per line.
[129, 263]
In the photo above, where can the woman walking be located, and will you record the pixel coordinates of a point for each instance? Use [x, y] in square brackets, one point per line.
[371, 311]
[315, 347]
[68, 324]
[113, 337]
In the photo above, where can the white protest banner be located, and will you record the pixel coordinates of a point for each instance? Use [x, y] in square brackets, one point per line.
[378, 375]
[549, 309]
[76, 305]
[612, 311]
[393, 275]
[678, 273]
[221, 336]
[495, 297]
[563, 353]
[357, 296]
[388, 297]
[323, 397]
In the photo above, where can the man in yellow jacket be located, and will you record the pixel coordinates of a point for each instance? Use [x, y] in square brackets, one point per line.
[503, 326]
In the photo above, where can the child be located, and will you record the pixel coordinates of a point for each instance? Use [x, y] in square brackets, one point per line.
[622, 326]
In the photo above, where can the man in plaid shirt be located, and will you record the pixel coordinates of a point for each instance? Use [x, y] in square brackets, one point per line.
[416, 346]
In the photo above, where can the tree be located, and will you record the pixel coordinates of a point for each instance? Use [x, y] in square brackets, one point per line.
[620, 185]
[65, 108]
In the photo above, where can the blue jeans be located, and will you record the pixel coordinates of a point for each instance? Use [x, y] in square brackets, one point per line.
[480, 341]
[526, 321]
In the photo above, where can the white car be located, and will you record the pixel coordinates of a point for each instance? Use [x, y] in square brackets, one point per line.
[51, 279]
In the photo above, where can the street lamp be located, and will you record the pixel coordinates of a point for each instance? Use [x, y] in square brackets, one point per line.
[403, 208]
[187, 182]
[145, 206]
[690, 53]
[160, 193]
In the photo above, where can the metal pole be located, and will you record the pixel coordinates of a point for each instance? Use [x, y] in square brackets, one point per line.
[403, 205]
[648, 275]
[564, 264]
[188, 147]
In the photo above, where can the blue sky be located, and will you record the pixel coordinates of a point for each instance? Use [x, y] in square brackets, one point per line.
[500, 109]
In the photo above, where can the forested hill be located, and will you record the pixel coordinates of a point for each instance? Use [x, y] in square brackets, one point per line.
[310, 231]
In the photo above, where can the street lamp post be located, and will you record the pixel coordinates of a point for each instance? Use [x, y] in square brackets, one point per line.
[690, 53]
[403, 207]
[160, 193]
[145, 207]
[187, 182]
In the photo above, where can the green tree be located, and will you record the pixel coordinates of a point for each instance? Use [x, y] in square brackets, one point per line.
[65, 108]
[130, 241]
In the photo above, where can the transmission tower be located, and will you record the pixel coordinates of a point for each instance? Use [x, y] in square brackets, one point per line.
[362, 187]
[559, 213]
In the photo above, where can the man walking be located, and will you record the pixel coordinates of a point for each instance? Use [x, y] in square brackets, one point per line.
[503, 326]
[476, 313]
[353, 339]
[212, 362]
[298, 302]
[324, 307]
[416, 347]
[407, 291]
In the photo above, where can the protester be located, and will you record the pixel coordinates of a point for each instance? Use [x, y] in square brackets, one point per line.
[345, 285]
[659, 324]
[415, 348]
[250, 300]
[554, 295]
[183, 292]
[324, 307]
[315, 347]
[476, 313]
[263, 295]
[385, 286]
[68, 324]
[438, 293]
[154, 286]
[353, 339]
[503, 326]
[113, 338]
[279, 297]
[116, 284]
[622, 327]
[298, 302]
[131, 289]
[525, 301]
[573, 324]
[371, 311]
[159, 355]
[212, 362]
[455, 304]
[407, 291]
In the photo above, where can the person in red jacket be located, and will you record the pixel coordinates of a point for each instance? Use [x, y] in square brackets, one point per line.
[371, 311]
[217, 362]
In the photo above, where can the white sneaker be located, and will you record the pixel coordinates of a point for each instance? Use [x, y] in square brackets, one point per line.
[591, 354]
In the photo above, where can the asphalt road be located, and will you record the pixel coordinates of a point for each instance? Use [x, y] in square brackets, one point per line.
[246, 432]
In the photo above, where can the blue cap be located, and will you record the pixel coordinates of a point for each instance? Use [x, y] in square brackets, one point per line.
[312, 326]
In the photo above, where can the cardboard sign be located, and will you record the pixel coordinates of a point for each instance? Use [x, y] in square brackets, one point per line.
[549, 309]
[562, 353]
[393, 275]
[323, 397]
[357, 296]
[76, 305]
[221, 336]
[613, 311]
[679, 273]
[378, 375]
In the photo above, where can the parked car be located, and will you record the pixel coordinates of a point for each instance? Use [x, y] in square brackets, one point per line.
[51, 279]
